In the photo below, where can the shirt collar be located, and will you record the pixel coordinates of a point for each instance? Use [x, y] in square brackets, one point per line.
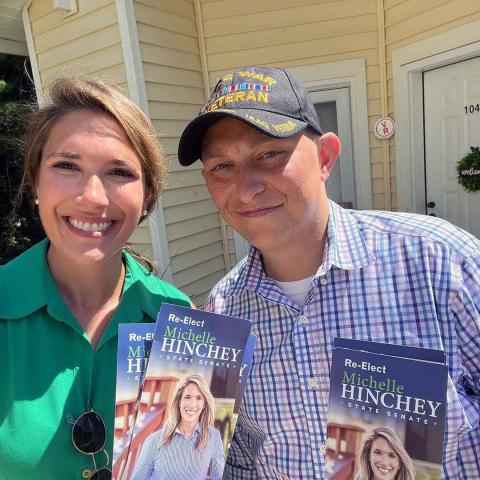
[26, 285]
[345, 248]
[196, 432]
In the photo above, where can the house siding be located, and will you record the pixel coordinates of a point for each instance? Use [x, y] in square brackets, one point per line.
[86, 43]
[172, 67]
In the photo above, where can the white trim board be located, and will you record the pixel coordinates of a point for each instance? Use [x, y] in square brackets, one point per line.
[351, 74]
[138, 93]
[341, 98]
[31, 53]
[409, 63]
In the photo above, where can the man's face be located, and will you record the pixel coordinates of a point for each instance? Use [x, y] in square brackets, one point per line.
[271, 190]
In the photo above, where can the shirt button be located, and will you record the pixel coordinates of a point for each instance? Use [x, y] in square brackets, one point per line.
[302, 319]
[323, 281]
[313, 382]
[323, 449]
[87, 473]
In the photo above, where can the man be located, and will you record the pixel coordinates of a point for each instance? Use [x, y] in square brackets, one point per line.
[317, 271]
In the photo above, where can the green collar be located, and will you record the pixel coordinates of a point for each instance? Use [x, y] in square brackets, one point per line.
[27, 285]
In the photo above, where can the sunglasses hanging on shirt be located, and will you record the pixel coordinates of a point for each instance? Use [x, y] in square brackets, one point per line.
[88, 437]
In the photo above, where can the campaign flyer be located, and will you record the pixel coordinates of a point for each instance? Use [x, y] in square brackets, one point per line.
[386, 412]
[134, 345]
[182, 414]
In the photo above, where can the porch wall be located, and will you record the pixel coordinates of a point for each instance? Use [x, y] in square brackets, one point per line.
[86, 43]
[172, 67]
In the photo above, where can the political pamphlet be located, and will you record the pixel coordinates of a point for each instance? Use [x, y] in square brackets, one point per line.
[386, 412]
[187, 369]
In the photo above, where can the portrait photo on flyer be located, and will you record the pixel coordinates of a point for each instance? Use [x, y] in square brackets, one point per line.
[179, 387]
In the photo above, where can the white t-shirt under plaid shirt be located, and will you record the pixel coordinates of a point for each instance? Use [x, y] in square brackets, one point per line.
[388, 277]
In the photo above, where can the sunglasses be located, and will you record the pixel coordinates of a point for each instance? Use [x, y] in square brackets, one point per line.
[89, 436]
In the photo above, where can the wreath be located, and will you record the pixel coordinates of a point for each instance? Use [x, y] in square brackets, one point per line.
[468, 169]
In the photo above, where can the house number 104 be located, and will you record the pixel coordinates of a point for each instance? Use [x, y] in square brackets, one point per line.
[472, 108]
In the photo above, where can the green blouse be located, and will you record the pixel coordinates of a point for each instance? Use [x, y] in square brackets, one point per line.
[49, 372]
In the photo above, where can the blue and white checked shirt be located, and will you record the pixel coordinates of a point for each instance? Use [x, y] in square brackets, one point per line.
[388, 277]
[180, 460]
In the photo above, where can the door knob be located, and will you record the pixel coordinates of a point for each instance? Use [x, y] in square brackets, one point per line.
[431, 204]
[432, 214]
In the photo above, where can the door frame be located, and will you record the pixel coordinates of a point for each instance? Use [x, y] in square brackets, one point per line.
[408, 64]
[350, 74]
[341, 97]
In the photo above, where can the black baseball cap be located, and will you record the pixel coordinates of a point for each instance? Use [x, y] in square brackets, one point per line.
[269, 99]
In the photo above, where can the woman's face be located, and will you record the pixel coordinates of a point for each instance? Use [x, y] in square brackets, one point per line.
[192, 404]
[384, 460]
[90, 187]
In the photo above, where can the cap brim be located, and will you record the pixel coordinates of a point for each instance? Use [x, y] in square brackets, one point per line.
[273, 124]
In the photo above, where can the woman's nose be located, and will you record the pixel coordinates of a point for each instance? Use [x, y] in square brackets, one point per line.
[94, 192]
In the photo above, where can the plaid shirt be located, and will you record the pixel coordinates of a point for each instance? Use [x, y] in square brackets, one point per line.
[388, 277]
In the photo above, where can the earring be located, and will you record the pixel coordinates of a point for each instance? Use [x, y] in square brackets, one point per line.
[145, 213]
[36, 201]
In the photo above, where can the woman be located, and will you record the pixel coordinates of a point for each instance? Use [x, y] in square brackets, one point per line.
[384, 457]
[188, 446]
[95, 169]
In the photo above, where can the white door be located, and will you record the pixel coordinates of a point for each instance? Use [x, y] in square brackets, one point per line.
[333, 110]
[452, 126]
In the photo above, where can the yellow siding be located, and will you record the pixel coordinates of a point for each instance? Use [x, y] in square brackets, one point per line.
[172, 68]
[141, 240]
[85, 43]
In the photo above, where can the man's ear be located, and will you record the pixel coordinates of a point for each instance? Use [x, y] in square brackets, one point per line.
[329, 148]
